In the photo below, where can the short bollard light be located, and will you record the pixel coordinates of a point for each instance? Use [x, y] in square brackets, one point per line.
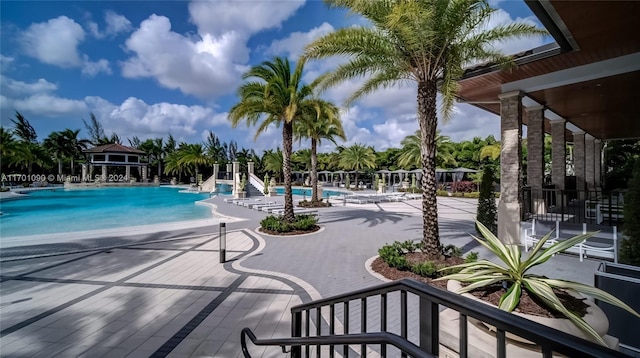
[223, 242]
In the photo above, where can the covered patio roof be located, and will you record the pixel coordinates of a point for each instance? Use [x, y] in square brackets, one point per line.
[590, 77]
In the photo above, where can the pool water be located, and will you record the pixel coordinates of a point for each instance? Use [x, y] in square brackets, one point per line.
[60, 210]
[308, 192]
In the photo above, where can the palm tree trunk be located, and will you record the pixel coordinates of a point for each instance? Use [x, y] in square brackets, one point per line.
[287, 148]
[59, 166]
[314, 170]
[428, 120]
[73, 169]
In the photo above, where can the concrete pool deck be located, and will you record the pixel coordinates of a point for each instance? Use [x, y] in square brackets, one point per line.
[172, 298]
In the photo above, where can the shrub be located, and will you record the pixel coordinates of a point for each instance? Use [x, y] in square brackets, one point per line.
[410, 190]
[471, 257]
[275, 223]
[305, 222]
[4, 189]
[426, 269]
[487, 210]
[630, 247]
[452, 250]
[463, 186]
[442, 193]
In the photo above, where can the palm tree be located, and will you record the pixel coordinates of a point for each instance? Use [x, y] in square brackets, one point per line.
[193, 155]
[429, 42]
[172, 165]
[23, 129]
[74, 146]
[358, 157]
[55, 144]
[8, 147]
[273, 162]
[27, 154]
[326, 125]
[411, 156]
[276, 95]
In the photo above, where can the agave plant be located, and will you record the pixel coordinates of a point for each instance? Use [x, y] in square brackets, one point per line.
[514, 272]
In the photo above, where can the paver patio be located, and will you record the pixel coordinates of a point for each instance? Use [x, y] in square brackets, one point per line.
[174, 299]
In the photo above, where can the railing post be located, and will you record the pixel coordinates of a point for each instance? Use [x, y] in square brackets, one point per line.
[223, 242]
[429, 326]
[296, 331]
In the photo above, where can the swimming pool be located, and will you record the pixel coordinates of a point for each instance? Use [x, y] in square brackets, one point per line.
[60, 210]
[307, 192]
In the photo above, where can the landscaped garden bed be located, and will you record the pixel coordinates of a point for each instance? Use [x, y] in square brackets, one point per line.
[275, 225]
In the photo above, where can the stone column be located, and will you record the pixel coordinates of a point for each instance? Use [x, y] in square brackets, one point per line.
[90, 172]
[589, 162]
[104, 173]
[597, 170]
[229, 169]
[250, 166]
[216, 169]
[558, 153]
[509, 207]
[535, 157]
[535, 146]
[127, 172]
[144, 174]
[236, 169]
[579, 160]
[85, 172]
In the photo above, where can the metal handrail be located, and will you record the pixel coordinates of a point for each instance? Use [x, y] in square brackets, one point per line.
[346, 339]
[551, 340]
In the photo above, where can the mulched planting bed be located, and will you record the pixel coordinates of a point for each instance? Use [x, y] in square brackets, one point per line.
[492, 294]
[290, 233]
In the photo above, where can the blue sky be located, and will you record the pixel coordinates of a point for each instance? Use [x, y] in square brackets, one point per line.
[150, 68]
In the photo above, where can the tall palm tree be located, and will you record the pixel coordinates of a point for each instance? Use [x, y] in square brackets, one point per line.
[8, 147]
[428, 42]
[55, 144]
[27, 154]
[276, 95]
[193, 155]
[272, 162]
[172, 165]
[74, 146]
[325, 125]
[23, 129]
[358, 157]
[411, 151]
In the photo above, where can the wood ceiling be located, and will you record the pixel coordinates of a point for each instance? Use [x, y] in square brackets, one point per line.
[603, 107]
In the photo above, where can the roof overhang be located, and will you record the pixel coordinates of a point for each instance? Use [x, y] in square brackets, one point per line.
[590, 77]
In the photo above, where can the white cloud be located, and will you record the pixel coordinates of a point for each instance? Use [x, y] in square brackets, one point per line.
[469, 122]
[115, 24]
[54, 42]
[245, 17]
[501, 17]
[91, 69]
[13, 87]
[43, 104]
[207, 67]
[6, 62]
[294, 44]
[135, 117]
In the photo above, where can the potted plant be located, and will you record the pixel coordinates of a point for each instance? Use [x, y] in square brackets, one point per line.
[514, 277]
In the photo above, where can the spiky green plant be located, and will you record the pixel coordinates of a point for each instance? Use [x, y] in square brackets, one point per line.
[514, 272]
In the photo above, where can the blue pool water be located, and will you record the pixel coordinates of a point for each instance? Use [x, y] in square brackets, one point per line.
[307, 192]
[47, 211]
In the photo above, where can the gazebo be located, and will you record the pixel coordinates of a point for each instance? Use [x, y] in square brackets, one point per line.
[114, 155]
